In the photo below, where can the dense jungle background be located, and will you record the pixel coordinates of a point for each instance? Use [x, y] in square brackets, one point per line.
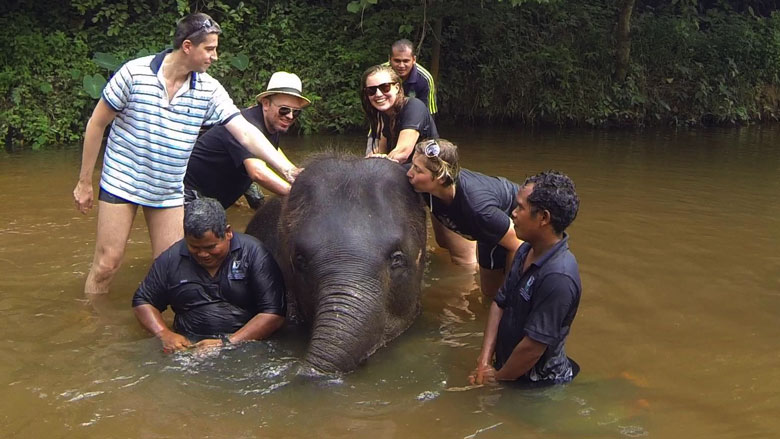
[599, 63]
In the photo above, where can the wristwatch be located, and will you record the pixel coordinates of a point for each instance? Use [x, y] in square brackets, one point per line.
[225, 340]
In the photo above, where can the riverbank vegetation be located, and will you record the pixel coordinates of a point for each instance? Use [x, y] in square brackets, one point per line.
[599, 63]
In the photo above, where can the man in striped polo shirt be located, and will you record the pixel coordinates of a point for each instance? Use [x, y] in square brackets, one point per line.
[156, 106]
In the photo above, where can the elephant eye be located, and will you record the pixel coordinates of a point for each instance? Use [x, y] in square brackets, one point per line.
[398, 259]
[300, 262]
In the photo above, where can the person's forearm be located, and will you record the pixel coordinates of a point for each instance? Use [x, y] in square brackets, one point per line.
[258, 145]
[522, 359]
[490, 336]
[150, 318]
[261, 326]
[93, 139]
[266, 178]
[405, 145]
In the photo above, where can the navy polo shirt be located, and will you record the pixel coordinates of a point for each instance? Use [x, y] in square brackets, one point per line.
[540, 303]
[248, 282]
[216, 167]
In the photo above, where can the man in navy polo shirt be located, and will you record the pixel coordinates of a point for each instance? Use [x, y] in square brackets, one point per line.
[219, 168]
[156, 106]
[224, 287]
[417, 81]
[532, 313]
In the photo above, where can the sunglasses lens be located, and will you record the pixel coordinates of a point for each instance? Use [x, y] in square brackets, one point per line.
[384, 88]
[432, 149]
[284, 111]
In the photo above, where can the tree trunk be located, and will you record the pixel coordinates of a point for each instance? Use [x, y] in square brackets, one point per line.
[436, 53]
[623, 40]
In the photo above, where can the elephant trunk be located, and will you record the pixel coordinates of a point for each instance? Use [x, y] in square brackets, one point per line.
[348, 325]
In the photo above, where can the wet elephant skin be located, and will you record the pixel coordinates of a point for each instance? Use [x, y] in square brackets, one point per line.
[350, 240]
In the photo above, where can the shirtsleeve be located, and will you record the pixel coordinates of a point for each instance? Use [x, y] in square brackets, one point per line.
[493, 224]
[268, 284]
[221, 108]
[117, 91]
[551, 304]
[153, 289]
[424, 92]
[414, 115]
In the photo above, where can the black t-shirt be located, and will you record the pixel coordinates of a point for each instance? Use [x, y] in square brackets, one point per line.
[216, 167]
[248, 282]
[481, 209]
[415, 116]
[540, 303]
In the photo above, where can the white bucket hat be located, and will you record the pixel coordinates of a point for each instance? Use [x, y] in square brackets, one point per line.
[284, 83]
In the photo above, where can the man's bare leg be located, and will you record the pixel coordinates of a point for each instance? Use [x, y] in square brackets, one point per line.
[462, 251]
[165, 227]
[490, 281]
[113, 229]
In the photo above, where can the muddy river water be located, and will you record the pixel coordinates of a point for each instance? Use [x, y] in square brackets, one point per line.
[677, 332]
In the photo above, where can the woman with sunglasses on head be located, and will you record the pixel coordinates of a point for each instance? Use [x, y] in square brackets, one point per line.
[474, 205]
[397, 122]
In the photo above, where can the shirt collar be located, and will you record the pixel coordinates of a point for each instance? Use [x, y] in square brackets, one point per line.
[561, 245]
[157, 63]
[413, 75]
[183, 251]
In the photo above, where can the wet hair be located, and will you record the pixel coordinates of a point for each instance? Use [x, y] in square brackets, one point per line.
[202, 215]
[445, 165]
[372, 113]
[401, 45]
[194, 27]
[554, 192]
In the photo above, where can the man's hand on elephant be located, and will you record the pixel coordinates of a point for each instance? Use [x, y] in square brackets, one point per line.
[291, 174]
[83, 196]
[172, 341]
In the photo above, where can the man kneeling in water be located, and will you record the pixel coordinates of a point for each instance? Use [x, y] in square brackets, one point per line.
[224, 287]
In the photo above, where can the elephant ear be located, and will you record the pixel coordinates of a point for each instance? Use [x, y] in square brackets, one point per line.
[265, 224]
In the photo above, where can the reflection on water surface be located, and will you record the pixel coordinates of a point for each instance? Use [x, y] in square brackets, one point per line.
[676, 238]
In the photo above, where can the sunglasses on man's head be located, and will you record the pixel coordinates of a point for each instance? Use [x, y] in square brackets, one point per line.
[284, 111]
[206, 25]
[384, 88]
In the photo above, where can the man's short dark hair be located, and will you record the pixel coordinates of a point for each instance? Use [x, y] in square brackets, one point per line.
[554, 192]
[202, 215]
[401, 45]
[194, 27]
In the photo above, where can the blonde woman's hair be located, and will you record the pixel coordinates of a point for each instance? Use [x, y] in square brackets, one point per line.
[441, 158]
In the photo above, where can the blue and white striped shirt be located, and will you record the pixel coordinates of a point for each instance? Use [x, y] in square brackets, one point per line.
[151, 138]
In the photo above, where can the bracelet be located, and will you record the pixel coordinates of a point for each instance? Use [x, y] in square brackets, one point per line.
[225, 340]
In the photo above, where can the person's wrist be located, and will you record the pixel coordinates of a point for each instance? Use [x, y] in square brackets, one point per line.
[225, 340]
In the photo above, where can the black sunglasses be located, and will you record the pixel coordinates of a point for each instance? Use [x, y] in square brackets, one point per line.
[384, 88]
[284, 111]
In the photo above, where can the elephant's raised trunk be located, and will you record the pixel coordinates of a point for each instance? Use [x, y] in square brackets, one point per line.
[348, 325]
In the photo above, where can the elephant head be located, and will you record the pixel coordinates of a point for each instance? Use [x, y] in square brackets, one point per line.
[350, 239]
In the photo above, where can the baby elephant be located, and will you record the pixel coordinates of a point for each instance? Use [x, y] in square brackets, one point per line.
[350, 240]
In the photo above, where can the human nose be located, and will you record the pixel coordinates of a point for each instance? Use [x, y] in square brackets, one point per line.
[214, 55]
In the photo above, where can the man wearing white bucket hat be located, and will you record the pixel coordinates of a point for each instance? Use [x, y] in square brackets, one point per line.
[220, 170]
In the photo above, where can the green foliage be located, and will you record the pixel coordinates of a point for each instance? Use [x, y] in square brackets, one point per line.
[533, 61]
[93, 85]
